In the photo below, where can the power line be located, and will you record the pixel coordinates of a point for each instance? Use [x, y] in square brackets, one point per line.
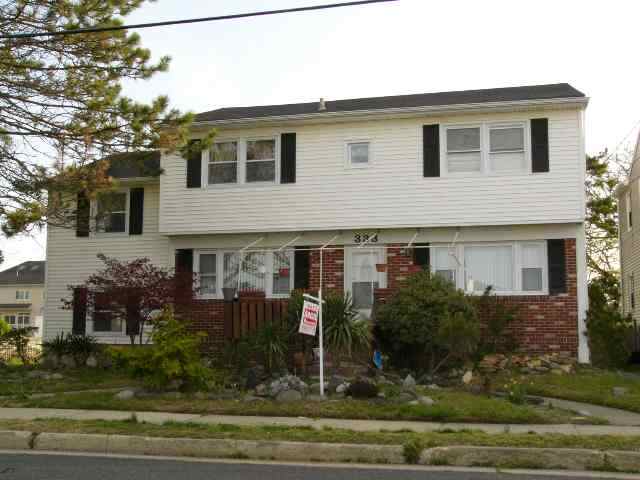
[192, 20]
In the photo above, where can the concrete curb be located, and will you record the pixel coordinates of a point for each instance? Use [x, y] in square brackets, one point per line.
[458, 456]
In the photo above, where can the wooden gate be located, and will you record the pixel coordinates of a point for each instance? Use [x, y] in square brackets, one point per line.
[245, 316]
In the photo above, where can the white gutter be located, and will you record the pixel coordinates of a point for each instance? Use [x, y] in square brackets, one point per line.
[402, 111]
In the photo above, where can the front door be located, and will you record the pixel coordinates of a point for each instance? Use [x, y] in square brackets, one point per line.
[363, 277]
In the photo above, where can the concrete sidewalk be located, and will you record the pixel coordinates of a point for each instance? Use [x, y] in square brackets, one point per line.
[614, 416]
[356, 425]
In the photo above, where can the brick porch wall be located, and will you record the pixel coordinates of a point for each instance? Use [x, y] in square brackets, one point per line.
[545, 323]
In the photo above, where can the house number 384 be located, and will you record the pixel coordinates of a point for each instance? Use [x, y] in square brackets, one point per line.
[365, 238]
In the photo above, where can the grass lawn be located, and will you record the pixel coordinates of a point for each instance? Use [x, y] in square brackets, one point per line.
[589, 385]
[450, 406]
[308, 434]
[15, 381]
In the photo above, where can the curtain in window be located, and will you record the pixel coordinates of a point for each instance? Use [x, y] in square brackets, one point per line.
[443, 264]
[488, 266]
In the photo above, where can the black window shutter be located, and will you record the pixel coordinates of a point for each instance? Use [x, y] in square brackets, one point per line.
[83, 212]
[431, 150]
[184, 260]
[421, 255]
[557, 267]
[301, 269]
[540, 145]
[194, 165]
[79, 325]
[288, 158]
[136, 209]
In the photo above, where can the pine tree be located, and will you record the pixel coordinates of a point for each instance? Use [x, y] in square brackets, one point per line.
[62, 107]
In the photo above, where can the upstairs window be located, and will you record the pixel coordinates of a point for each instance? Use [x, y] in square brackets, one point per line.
[506, 148]
[111, 212]
[23, 295]
[463, 149]
[223, 163]
[358, 154]
[261, 160]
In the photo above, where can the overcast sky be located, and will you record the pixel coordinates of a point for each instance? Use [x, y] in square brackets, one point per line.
[408, 46]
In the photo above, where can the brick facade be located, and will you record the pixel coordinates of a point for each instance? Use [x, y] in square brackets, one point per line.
[545, 323]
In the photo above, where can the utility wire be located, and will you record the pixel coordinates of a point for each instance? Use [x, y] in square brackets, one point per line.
[191, 20]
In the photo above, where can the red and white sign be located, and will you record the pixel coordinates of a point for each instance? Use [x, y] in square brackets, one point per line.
[309, 320]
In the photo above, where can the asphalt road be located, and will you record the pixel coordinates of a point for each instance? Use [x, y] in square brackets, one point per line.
[62, 467]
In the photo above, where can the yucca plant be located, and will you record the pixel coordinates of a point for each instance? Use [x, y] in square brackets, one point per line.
[58, 345]
[343, 331]
[271, 341]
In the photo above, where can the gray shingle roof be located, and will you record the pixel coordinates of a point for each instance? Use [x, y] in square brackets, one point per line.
[533, 92]
[31, 272]
[134, 164]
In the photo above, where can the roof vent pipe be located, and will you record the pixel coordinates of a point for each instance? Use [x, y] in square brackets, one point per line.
[321, 105]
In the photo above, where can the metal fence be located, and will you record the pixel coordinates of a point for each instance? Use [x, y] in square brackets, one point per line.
[8, 352]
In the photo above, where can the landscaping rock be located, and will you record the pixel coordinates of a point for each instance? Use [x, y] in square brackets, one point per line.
[287, 396]
[92, 361]
[467, 378]
[314, 388]
[35, 374]
[316, 398]
[342, 388]
[173, 395]
[261, 390]
[50, 362]
[409, 382]
[619, 391]
[335, 381]
[125, 395]
[405, 397]
[175, 384]
[428, 401]
[56, 376]
[67, 361]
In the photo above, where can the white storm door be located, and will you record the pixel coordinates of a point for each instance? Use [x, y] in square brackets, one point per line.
[363, 277]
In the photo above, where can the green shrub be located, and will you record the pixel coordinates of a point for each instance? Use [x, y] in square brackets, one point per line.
[412, 450]
[271, 343]
[4, 327]
[343, 331]
[173, 357]
[80, 347]
[408, 325]
[608, 330]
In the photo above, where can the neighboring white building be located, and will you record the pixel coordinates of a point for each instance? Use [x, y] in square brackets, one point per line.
[22, 295]
[491, 181]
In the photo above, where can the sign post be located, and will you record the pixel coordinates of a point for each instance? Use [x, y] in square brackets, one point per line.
[311, 318]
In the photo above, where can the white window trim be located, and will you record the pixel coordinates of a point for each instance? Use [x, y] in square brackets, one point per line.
[347, 154]
[94, 213]
[220, 273]
[26, 295]
[241, 179]
[485, 146]
[517, 266]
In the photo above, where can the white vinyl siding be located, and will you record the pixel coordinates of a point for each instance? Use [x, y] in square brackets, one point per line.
[71, 259]
[394, 194]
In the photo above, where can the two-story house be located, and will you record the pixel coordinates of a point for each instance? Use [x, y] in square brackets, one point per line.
[485, 187]
[22, 295]
[628, 194]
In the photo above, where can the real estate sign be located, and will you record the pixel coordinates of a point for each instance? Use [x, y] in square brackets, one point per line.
[309, 320]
